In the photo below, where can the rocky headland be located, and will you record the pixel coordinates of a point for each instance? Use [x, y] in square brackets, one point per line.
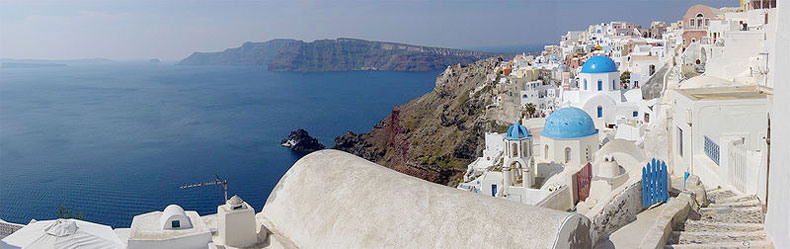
[301, 141]
[342, 54]
[435, 136]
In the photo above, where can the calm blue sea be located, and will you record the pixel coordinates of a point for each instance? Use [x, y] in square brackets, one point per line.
[116, 140]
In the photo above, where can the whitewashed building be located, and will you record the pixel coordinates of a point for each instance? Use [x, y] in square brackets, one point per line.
[569, 137]
[540, 94]
[172, 228]
[600, 93]
[719, 134]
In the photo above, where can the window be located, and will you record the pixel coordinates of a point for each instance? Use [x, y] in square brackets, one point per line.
[514, 150]
[712, 150]
[707, 22]
[600, 111]
[524, 150]
[614, 84]
[680, 142]
[176, 224]
[587, 153]
[636, 83]
[585, 84]
[546, 152]
[600, 85]
[636, 113]
[691, 22]
[493, 190]
[567, 154]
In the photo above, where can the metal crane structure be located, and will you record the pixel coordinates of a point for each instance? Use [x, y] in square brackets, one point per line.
[217, 181]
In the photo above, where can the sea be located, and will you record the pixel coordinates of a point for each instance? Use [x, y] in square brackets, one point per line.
[114, 140]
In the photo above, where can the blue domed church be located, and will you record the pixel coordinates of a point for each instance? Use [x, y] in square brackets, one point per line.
[569, 137]
[518, 150]
[600, 95]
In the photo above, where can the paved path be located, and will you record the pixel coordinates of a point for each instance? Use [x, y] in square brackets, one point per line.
[631, 235]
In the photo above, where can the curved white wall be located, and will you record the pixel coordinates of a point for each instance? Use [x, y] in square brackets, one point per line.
[334, 199]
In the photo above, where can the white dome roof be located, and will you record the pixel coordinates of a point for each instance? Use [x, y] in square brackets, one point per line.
[235, 200]
[174, 212]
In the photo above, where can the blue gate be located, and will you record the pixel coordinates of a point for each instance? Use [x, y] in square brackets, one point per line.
[654, 183]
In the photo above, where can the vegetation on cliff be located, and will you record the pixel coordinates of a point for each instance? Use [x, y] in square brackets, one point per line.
[342, 54]
[435, 136]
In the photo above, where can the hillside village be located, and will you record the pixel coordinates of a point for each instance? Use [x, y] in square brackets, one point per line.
[668, 136]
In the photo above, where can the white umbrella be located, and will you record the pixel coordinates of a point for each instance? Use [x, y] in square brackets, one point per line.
[63, 233]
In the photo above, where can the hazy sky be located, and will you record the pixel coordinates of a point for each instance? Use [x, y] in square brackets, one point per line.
[171, 30]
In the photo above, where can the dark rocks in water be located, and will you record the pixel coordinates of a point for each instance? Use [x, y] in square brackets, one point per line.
[154, 60]
[300, 141]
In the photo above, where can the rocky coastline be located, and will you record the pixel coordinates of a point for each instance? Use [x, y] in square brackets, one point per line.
[435, 136]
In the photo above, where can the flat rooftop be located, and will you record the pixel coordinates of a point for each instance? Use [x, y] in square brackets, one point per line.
[146, 227]
[726, 93]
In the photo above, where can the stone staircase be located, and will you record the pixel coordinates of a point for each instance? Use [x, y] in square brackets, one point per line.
[729, 221]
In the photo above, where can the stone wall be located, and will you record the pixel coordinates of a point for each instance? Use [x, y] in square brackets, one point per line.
[674, 214]
[561, 199]
[623, 204]
[334, 199]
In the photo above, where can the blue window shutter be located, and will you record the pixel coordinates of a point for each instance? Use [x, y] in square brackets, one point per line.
[600, 111]
[600, 85]
[636, 113]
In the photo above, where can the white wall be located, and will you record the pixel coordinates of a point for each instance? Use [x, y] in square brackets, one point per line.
[605, 78]
[681, 158]
[578, 147]
[716, 119]
[491, 178]
[739, 47]
[236, 227]
[777, 219]
[332, 199]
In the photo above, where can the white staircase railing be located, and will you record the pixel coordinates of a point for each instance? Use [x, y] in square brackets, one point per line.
[738, 171]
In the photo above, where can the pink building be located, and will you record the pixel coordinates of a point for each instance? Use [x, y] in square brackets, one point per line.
[696, 23]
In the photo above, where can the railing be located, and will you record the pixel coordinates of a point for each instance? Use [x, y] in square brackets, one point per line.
[712, 150]
[8, 228]
[737, 165]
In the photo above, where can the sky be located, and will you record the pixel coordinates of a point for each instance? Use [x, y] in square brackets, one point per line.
[172, 30]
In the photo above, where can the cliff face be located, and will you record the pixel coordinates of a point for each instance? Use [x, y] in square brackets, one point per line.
[250, 53]
[342, 54]
[435, 136]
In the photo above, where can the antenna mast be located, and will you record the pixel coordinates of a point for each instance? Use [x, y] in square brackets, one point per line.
[217, 181]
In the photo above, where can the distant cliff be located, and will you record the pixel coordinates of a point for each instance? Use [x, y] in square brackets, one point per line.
[342, 54]
[435, 136]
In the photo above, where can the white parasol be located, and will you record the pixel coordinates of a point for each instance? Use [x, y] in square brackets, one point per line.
[63, 233]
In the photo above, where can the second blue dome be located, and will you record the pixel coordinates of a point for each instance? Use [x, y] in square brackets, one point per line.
[599, 64]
